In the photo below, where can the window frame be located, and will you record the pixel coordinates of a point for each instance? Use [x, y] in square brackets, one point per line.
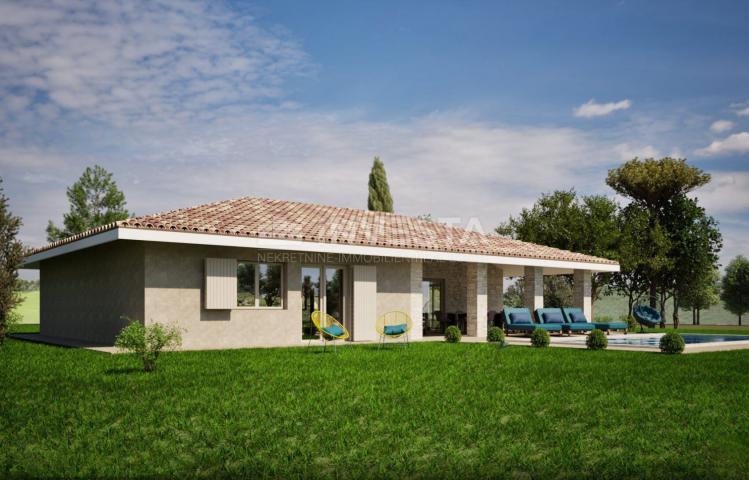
[256, 269]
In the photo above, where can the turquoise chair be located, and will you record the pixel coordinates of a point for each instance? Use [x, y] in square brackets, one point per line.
[556, 315]
[645, 315]
[521, 320]
[577, 316]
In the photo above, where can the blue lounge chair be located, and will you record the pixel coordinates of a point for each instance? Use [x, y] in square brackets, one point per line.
[645, 315]
[552, 316]
[568, 326]
[520, 320]
[576, 315]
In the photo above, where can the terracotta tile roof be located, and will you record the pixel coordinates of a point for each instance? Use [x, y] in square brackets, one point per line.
[278, 219]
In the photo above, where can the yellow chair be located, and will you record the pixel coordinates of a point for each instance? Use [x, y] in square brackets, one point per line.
[329, 328]
[393, 325]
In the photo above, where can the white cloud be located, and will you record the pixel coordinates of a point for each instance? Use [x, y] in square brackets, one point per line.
[743, 111]
[720, 126]
[141, 61]
[592, 109]
[736, 143]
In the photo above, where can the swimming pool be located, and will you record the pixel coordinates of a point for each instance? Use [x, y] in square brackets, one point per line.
[689, 339]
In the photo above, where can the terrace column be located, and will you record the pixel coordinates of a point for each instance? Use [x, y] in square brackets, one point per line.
[582, 291]
[534, 288]
[495, 288]
[416, 274]
[476, 300]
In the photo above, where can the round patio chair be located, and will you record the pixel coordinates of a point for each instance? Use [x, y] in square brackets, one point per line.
[393, 325]
[645, 315]
[330, 329]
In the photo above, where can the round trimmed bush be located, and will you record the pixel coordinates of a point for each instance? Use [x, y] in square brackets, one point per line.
[452, 334]
[597, 340]
[672, 343]
[540, 338]
[495, 335]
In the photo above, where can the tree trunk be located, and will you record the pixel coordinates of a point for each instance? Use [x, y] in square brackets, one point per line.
[675, 315]
[694, 316]
[699, 314]
[662, 310]
[630, 304]
[653, 294]
[739, 320]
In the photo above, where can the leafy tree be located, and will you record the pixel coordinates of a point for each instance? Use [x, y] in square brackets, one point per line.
[379, 190]
[735, 287]
[703, 294]
[694, 244]
[586, 225]
[513, 296]
[94, 200]
[641, 251]
[653, 185]
[557, 292]
[11, 255]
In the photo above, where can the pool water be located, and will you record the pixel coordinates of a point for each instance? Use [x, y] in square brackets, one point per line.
[689, 338]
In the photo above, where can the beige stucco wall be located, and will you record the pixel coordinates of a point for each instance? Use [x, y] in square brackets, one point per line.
[84, 293]
[174, 294]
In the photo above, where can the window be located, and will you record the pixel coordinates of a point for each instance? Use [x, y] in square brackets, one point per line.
[259, 284]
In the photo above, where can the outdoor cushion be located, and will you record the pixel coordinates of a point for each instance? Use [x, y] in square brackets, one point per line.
[552, 317]
[578, 317]
[395, 329]
[333, 330]
[520, 317]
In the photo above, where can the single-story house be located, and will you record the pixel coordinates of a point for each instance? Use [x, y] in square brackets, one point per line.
[249, 271]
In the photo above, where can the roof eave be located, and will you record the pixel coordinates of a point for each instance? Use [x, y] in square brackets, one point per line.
[121, 233]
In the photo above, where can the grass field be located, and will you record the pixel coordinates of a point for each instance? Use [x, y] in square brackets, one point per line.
[29, 307]
[615, 306]
[431, 410]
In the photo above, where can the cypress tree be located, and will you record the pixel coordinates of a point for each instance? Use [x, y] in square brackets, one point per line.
[379, 191]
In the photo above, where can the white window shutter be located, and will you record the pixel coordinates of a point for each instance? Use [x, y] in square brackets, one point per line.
[220, 283]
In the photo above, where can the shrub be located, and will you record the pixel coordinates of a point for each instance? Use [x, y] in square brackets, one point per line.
[495, 335]
[597, 340]
[452, 334]
[631, 322]
[671, 343]
[11, 319]
[540, 338]
[147, 342]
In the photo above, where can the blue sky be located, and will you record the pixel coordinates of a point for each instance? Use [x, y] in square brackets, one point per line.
[476, 108]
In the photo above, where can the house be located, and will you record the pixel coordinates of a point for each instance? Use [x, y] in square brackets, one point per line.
[249, 271]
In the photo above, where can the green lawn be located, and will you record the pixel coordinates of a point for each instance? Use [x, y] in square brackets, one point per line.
[29, 307]
[431, 410]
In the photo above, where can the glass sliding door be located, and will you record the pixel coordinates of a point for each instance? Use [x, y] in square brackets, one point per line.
[433, 311]
[334, 292]
[322, 289]
[310, 299]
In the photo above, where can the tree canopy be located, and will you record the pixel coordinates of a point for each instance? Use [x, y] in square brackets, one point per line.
[563, 220]
[380, 199]
[94, 200]
[655, 183]
[11, 255]
[735, 287]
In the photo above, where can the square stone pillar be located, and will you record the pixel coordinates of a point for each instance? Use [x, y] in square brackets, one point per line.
[416, 270]
[476, 299]
[582, 291]
[534, 288]
[495, 288]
